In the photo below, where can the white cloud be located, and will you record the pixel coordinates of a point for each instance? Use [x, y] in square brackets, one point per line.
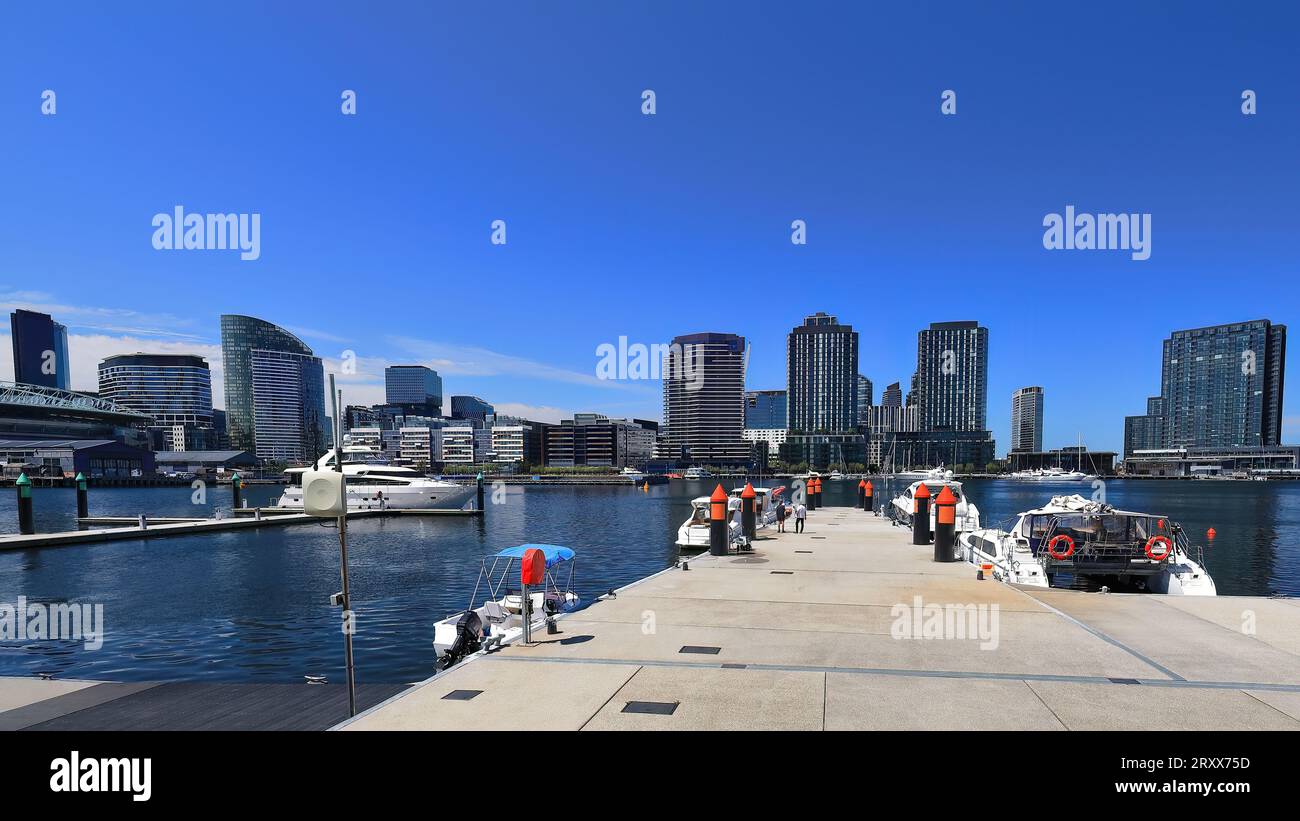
[95, 318]
[467, 360]
[536, 413]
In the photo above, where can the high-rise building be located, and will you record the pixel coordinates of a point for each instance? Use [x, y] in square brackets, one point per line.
[1027, 419]
[414, 388]
[1222, 385]
[892, 397]
[822, 376]
[470, 407]
[704, 400]
[865, 395]
[952, 376]
[275, 391]
[40, 348]
[766, 409]
[174, 389]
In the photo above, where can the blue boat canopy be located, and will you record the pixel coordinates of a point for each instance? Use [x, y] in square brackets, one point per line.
[554, 553]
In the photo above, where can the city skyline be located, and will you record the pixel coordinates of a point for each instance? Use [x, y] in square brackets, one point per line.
[894, 194]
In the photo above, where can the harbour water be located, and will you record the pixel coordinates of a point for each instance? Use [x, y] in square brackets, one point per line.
[253, 605]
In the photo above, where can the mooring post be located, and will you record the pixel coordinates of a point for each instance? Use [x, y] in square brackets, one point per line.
[83, 505]
[237, 487]
[748, 517]
[718, 522]
[945, 526]
[868, 497]
[479, 482]
[26, 519]
[921, 515]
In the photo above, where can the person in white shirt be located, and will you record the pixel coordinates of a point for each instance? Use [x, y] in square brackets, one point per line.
[800, 513]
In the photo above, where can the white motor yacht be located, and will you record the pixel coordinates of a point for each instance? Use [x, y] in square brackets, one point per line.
[1050, 475]
[374, 484]
[694, 533]
[968, 515]
[697, 473]
[1091, 544]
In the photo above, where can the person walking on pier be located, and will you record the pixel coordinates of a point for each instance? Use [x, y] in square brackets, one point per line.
[780, 517]
[800, 513]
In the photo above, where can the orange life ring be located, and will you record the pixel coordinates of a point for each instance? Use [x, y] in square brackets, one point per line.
[1169, 548]
[1069, 549]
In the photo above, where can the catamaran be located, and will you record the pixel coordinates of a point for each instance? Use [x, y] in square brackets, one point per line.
[1091, 544]
[374, 484]
[500, 620]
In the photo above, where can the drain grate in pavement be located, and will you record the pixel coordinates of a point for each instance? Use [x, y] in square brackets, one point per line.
[1125, 681]
[653, 708]
[462, 695]
[782, 572]
[734, 666]
[700, 650]
[803, 551]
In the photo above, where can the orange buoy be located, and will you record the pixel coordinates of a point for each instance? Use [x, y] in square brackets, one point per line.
[1210, 534]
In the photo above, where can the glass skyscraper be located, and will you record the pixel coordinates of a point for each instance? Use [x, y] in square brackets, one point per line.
[40, 348]
[765, 410]
[416, 388]
[275, 391]
[822, 376]
[1220, 386]
[471, 407]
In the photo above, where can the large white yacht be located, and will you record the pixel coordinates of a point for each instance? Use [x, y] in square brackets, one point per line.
[697, 473]
[1091, 544]
[373, 484]
[968, 515]
[1050, 475]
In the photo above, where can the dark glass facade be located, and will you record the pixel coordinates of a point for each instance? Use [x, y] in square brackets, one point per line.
[765, 409]
[704, 401]
[38, 340]
[470, 407]
[174, 389]
[414, 387]
[304, 400]
[952, 377]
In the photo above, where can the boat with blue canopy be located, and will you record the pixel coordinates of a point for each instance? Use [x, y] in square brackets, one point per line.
[500, 619]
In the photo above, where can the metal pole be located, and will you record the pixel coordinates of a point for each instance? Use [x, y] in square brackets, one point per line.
[348, 624]
[526, 609]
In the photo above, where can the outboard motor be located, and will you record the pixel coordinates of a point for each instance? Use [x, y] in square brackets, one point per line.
[469, 633]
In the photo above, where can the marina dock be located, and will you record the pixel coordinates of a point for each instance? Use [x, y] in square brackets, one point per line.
[128, 527]
[797, 636]
[800, 634]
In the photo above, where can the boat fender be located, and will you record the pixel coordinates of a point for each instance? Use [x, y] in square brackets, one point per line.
[1166, 553]
[1069, 546]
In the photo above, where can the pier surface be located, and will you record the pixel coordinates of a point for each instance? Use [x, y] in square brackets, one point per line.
[797, 636]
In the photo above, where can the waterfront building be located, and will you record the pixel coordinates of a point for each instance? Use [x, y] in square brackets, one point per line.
[266, 361]
[822, 376]
[1091, 462]
[766, 410]
[289, 422]
[65, 458]
[704, 401]
[1146, 432]
[510, 442]
[471, 408]
[414, 388]
[458, 445]
[1276, 460]
[175, 390]
[824, 451]
[952, 376]
[865, 394]
[420, 446]
[772, 438]
[40, 348]
[1027, 420]
[206, 462]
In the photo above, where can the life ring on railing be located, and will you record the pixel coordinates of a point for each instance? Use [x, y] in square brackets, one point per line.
[1169, 548]
[1069, 546]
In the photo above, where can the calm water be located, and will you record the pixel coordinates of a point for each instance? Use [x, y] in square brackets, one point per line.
[254, 605]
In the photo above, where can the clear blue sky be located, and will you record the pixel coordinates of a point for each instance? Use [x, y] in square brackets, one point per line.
[375, 228]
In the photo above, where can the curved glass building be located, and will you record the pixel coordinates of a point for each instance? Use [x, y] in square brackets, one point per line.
[175, 390]
[275, 391]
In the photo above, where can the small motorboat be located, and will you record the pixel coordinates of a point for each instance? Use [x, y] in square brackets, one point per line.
[1092, 545]
[968, 515]
[765, 501]
[694, 534]
[500, 620]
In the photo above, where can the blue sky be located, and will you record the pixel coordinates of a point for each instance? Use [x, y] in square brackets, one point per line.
[375, 227]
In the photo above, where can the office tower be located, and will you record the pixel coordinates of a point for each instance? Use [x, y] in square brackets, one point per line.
[704, 400]
[952, 377]
[471, 408]
[414, 388]
[275, 391]
[174, 389]
[865, 397]
[892, 397]
[1027, 419]
[766, 409]
[40, 347]
[822, 376]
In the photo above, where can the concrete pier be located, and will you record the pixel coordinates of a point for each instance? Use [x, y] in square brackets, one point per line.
[802, 635]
